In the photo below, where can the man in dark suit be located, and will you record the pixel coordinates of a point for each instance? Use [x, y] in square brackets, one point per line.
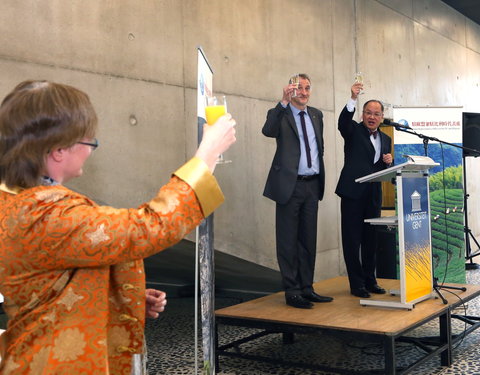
[296, 183]
[367, 150]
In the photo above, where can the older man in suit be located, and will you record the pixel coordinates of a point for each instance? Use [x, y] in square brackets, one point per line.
[367, 150]
[296, 183]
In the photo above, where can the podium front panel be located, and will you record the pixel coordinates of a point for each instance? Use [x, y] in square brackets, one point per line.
[415, 233]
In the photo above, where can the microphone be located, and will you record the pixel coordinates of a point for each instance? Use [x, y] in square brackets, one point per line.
[397, 126]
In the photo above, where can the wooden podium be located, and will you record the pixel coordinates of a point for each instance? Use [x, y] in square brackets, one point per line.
[414, 232]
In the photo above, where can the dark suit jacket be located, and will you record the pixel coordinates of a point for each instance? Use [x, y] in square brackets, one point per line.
[359, 153]
[282, 177]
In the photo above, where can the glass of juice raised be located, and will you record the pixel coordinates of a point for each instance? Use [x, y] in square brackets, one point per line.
[216, 107]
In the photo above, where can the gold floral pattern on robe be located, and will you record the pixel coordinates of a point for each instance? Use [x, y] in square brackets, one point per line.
[98, 235]
[70, 298]
[69, 345]
[39, 360]
[73, 277]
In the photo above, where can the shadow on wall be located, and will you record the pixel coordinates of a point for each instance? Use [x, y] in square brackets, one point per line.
[173, 270]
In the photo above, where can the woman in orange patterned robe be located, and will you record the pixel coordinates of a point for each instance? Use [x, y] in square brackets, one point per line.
[71, 271]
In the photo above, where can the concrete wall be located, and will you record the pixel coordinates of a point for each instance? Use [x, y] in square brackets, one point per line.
[137, 61]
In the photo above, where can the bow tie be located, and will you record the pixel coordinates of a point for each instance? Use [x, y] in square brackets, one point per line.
[374, 133]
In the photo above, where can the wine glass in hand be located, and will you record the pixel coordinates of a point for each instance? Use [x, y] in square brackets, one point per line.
[294, 80]
[359, 79]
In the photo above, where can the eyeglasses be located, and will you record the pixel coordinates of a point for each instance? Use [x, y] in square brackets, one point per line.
[93, 144]
[374, 114]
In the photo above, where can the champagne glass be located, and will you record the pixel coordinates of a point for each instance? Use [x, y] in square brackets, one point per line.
[294, 80]
[216, 107]
[359, 79]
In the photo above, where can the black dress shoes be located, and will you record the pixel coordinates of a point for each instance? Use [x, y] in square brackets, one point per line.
[377, 289]
[314, 297]
[360, 292]
[298, 301]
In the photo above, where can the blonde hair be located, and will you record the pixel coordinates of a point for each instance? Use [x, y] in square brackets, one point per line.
[36, 117]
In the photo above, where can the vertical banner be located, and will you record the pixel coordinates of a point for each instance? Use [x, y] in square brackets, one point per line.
[205, 249]
[446, 181]
[204, 88]
[416, 236]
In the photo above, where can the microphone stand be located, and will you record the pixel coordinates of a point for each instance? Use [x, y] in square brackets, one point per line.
[426, 139]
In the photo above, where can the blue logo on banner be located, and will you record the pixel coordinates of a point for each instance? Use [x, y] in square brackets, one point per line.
[403, 122]
[416, 201]
[202, 85]
[417, 221]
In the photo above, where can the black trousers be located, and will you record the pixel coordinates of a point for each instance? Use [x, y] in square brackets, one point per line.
[359, 239]
[296, 234]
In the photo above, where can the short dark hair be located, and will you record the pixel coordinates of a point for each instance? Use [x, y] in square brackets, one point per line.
[305, 76]
[36, 117]
[374, 101]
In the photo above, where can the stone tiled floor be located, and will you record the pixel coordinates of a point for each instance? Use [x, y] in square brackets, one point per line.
[171, 346]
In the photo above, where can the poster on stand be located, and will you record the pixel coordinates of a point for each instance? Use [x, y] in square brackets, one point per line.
[446, 180]
[204, 85]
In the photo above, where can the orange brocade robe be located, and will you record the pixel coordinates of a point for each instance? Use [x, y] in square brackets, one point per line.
[72, 272]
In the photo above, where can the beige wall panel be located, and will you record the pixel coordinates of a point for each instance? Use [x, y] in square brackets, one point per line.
[404, 7]
[441, 18]
[134, 160]
[440, 68]
[14, 72]
[328, 233]
[255, 45]
[345, 59]
[327, 265]
[386, 54]
[473, 36]
[127, 38]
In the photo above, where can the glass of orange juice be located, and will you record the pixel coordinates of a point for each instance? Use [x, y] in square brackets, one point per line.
[216, 106]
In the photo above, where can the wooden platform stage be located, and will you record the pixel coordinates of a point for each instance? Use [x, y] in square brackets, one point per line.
[345, 314]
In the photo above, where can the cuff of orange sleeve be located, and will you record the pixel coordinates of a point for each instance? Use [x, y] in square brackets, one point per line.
[196, 173]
